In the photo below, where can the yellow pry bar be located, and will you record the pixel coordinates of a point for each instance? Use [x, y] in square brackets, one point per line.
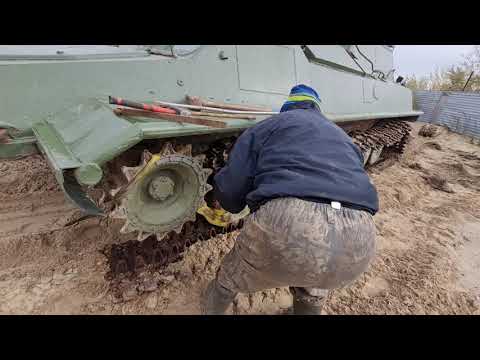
[146, 169]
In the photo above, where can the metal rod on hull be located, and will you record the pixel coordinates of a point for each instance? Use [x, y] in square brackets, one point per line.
[196, 100]
[196, 107]
[140, 106]
[171, 117]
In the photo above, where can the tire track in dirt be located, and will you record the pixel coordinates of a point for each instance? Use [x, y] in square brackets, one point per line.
[31, 201]
[33, 213]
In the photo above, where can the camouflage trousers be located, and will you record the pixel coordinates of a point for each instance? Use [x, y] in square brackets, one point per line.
[309, 247]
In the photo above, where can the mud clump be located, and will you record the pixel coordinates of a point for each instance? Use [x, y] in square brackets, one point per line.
[415, 166]
[429, 130]
[433, 145]
[438, 183]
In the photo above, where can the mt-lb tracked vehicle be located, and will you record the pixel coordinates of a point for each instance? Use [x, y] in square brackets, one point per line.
[155, 173]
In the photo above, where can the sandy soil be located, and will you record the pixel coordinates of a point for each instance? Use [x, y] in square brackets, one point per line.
[428, 257]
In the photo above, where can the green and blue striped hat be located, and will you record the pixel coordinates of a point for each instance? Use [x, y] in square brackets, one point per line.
[300, 93]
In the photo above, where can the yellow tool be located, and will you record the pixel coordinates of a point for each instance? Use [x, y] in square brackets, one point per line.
[221, 217]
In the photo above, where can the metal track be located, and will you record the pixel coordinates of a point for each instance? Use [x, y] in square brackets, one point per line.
[389, 136]
[131, 257]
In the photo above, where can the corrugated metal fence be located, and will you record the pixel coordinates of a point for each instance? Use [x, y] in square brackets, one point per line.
[459, 111]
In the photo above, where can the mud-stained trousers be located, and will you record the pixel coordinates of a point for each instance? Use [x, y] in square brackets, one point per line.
[309, 247]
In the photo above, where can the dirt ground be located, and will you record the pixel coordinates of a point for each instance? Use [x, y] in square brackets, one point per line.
[428, 257]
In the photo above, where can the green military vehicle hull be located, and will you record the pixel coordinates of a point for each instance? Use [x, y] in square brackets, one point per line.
[55, 99]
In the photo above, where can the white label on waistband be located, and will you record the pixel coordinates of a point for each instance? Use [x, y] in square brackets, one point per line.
[336, 205]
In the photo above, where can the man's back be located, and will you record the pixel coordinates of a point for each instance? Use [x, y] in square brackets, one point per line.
[298, 153]
[290, 169]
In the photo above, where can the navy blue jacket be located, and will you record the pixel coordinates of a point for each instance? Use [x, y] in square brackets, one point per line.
[297, 153]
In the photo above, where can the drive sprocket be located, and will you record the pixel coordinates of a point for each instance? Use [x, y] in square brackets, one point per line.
[162, 193]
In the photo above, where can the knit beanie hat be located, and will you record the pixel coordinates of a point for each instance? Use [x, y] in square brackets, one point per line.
[300, 93]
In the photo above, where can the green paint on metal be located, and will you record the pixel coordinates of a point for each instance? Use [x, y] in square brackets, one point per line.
[18, 148]
[54, 148]
[40, 88]
[161, 188]
[166, 129]
[316, 60]
[338, 118]
[89, 174]
[260, 58]
[93, 133]
[68, 52]
[85, 136]
[20, 133]
[77, 195]
[160, 213]
[5, 125]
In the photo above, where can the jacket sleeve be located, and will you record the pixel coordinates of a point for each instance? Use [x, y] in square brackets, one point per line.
[233, 183]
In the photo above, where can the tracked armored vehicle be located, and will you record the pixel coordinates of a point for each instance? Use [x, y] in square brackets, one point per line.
[153, 169]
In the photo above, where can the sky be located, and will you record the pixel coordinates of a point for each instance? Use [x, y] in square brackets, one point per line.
[421, 60]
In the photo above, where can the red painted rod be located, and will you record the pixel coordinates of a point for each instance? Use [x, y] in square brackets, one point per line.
[141, 106]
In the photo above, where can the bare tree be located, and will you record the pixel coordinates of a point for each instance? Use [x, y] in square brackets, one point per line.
[471, 64]
[454, 77]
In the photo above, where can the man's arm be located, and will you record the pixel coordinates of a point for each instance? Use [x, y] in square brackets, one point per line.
[235, 180]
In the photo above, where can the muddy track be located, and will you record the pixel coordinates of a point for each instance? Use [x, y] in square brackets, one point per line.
[134, 256]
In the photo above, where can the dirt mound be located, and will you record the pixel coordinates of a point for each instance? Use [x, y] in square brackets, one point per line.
[26, 176]
[426, 240]
[438, 183]
[429, 130]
